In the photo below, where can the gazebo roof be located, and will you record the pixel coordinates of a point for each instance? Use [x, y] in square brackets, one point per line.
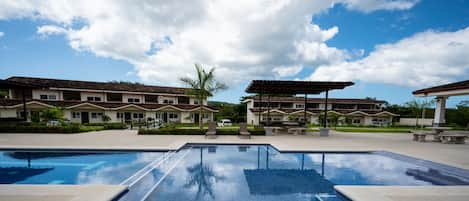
[456, 88]
[293, 87]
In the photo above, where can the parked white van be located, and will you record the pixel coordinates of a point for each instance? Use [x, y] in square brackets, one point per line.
[224, 122]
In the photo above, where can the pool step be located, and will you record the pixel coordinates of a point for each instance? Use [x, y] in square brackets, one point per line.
[148, 178]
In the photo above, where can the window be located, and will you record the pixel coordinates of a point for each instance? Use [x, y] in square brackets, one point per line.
[183, 100]
[140, 115]
[119, 115]
[173, 115]
[114, 97]
[196, 102]
[356, 121]
[133, 100]
[299, 106]
[168, 101]
[151, 99]
[135, 115]
[71, 95]
[75, 115]
[205, 115]
[48, 97]
[94, 99]
[95, 115]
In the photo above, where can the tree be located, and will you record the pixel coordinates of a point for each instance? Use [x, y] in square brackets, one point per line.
[3, 93]
[106, 118]
[52, 114]
[463, 114]
[203, 177]
[418, 107]
[202, 87]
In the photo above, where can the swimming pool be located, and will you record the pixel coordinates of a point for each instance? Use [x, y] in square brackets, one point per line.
[226, 172]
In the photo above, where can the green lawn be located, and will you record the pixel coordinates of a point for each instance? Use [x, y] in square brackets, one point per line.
[374, 129]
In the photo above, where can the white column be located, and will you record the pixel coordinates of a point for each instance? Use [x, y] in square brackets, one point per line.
[440, 110]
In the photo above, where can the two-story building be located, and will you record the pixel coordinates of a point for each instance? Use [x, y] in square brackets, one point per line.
[88, 102]
[291, 108]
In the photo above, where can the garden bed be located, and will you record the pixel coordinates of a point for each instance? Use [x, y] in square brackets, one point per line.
[70, 128]
[195, 131]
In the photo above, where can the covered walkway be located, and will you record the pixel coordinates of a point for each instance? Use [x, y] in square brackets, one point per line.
[443, 92]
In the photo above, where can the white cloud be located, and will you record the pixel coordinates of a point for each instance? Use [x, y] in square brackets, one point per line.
[163, 39]
[2, 34]
[373, 5]
[424, 59]
[284, 71]
[50, 30]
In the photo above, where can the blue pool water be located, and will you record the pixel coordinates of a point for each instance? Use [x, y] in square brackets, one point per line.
[22, 167]
[226, 172]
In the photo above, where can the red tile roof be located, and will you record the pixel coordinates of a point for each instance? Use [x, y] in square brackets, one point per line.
[318, 100]
[111, 86]
[444, 88]
[108, 105]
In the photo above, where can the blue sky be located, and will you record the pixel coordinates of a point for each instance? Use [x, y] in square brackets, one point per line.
[84, 45]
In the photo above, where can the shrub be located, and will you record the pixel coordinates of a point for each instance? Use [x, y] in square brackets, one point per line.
[39, 129]
[115, 126]
[180, 131]
[107, 126]
[52, 114]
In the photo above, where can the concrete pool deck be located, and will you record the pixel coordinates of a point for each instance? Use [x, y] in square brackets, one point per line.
[449, 154]
[61, 192]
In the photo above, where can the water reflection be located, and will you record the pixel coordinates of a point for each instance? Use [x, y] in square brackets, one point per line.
[228, 173]
[22, 167]
[202, 177]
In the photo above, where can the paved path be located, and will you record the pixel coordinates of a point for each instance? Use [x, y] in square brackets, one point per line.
[454, 155]
[450, 154]
[60, 192]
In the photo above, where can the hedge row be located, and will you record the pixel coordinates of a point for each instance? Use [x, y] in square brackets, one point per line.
[39, 129]
[71, 128]
[180, 131]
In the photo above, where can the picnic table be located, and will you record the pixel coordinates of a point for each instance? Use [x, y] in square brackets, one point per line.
[421, 135]
[456, 138]
[439, 129]
[297, 130]
[271, 130]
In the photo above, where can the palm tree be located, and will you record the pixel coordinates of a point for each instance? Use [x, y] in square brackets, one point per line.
[203, 177]
[203, 87]
[418, 107]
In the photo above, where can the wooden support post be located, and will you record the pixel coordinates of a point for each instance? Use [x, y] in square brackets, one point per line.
[25, 115]
[325, 109]
[305, 109]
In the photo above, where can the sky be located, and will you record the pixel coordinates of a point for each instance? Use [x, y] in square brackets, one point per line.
[389, 48]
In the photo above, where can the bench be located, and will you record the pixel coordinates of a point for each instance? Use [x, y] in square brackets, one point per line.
[420, 136]
[453, 138]
[297, 131]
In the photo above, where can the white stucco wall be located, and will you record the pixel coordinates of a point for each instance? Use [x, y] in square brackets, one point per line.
[162, 98]
[37, 94]
[85, 95]
[7, 113]
[125, 97]
[411, 121]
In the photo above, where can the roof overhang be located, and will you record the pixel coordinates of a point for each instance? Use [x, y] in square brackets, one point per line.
[385, 113]
[30, 103]
[302, 112]
[293, 87]
[451, 89]
[274, 111]
[130, 106]
[86, 105]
